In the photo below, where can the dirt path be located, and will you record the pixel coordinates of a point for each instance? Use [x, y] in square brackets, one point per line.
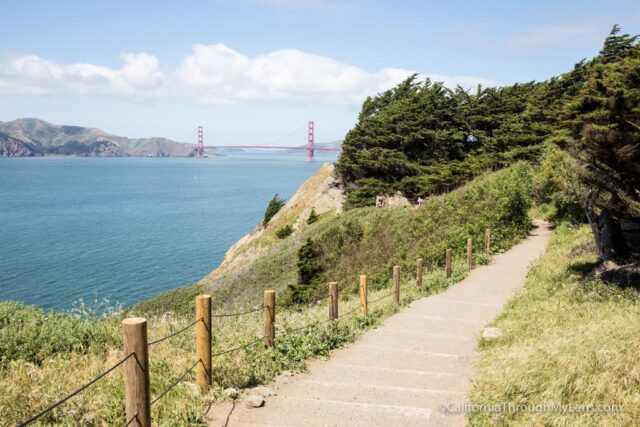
[404, 372]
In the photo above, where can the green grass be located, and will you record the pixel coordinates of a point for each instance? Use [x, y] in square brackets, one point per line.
[371, 241]
[569, 338]
[40, 367]
[27, 387]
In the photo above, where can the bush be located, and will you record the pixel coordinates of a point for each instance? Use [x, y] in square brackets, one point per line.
[313, 217]
[31, 334]
[370, 241]
[309, 269]
[272, 208]
[284, 232]
[556, 187]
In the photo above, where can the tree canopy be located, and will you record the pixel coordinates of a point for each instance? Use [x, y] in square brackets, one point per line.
[421, 138]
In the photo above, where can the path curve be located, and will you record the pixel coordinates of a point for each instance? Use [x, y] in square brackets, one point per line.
[403, 372]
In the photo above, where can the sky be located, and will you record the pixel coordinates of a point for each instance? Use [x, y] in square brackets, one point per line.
[255, 71]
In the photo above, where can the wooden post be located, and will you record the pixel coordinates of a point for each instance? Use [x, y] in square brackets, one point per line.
[136, 371]
[203, 342]
[447, 263]
[396, 283]
[269, 316]
[419, 274]
[469, 253]
[364, 304]
[487, 240]
[333, 300]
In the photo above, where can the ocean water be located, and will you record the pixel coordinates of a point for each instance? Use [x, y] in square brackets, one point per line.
[127, 229]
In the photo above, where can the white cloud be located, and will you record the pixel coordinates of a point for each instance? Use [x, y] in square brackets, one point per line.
[557, 35]
[213, 74]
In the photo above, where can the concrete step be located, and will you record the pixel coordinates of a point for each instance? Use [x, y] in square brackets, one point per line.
[328, 412]
[386, 338]
[402, 359]
[368, 374]
[343, 390]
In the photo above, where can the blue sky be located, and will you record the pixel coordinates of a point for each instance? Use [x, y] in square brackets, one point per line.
[251, 71]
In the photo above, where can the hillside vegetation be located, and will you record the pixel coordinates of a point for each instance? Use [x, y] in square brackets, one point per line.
[569, 339]
[368, 240]
[39, 350]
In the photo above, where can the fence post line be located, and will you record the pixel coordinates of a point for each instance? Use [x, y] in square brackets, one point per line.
[269, 315]
[487, 240]
[203, 342]
[396, 283]
[136, 371]
[447, 263]
[419, 274]
[333, 300]
[364, 303]
[469, 253]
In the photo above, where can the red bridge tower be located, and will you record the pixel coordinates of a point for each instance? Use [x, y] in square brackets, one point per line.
[310, 141]
[200, 147]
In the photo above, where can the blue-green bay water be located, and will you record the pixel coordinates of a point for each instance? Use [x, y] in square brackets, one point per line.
[127, 229]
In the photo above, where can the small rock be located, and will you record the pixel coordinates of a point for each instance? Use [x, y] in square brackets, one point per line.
[231, 392]
[262, 391]
[287, 374]
[193, 388]
[254, 401]
[89, 419]
[491, 334]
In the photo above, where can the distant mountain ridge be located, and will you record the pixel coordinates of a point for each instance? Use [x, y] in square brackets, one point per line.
[35, 137]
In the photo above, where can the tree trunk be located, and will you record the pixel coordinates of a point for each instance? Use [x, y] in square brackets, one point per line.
[613, 245]
[607, 231]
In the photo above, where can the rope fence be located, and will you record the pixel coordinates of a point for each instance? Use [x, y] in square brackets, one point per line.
[74, 393]
[134, 336]
[159, 340]
[175, 383]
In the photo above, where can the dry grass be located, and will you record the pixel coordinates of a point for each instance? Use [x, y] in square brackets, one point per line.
[26, 388]
[569, 339]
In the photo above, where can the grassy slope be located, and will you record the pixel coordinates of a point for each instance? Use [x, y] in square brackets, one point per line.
[569, 339]
[371, 241]
[388, 237]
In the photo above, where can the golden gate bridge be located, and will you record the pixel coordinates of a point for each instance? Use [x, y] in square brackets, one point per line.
[310, 148]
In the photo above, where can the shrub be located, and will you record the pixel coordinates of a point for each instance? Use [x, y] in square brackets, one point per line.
[272, 208]
[284, 232]
[31, 334]
[309, 269]
[313, 217]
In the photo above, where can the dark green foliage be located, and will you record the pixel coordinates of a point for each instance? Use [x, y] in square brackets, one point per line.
[313, 217]
[284, 232]
[423, 139]
[617, 46]
[272, 208]
[309, 269]
[370, 241]
[556, 187]
[603, 122]
[31, 334]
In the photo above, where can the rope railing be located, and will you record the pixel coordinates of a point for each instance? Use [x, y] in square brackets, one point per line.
[136, 376]
[159, 340]
[240, 347]
[381, 298]
[254, 310]
[74, 393]
[175, 383]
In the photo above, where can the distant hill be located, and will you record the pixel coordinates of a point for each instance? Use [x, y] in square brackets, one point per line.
[34, 137]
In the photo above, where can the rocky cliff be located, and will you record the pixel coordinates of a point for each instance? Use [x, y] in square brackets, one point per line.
[321, 193]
